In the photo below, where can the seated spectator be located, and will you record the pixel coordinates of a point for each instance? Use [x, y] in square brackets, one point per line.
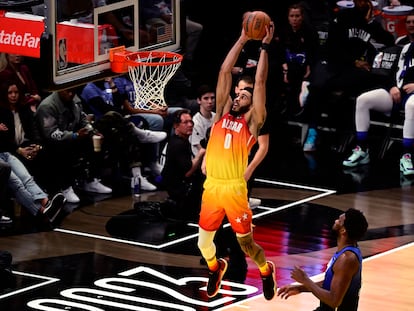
[156, 119]
[348, 66]
[123, 145]
[4, 178]
[66, 135]
[21, 183]
[298, 48]
[103, 96]
[182, 174]
[13, 68]
[203, 119]
[409, 26]
[385, 100]
[25, 141]
[28, 193]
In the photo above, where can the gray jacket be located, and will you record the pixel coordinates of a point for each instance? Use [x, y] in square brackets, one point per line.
[58, 121]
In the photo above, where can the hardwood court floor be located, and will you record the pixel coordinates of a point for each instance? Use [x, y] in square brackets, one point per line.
[106, 255]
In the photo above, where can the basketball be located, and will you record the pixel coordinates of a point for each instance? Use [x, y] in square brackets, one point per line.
[254, 24]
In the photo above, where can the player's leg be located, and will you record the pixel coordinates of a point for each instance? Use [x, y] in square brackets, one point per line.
[216, 267]
[267, 268]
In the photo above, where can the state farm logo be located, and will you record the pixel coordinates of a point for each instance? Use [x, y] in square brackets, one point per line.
[22, 40]
[21, 33]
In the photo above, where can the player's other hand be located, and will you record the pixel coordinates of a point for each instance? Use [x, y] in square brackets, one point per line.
[270, 31]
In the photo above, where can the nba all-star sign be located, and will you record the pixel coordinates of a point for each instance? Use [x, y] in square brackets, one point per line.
[20, 33]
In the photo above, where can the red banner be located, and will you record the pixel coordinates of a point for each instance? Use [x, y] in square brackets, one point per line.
[20, 34]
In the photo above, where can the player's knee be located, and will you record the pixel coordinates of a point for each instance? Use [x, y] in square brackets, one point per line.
[202, 244]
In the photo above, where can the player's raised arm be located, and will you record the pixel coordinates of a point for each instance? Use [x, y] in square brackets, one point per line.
[224, 82]
[258, 113]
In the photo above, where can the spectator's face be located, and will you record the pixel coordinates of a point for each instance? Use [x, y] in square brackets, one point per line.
[185, 127]
[295, 18]
[241, 85]
[67, 95]
[15, 58]
[207, 101]
[13, 94]
[409, 24]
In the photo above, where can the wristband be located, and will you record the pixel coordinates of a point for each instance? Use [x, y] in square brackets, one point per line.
[75, 135]
[265, 46]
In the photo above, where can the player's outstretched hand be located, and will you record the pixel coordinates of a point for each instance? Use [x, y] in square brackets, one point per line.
[270, 30]
[288, 290]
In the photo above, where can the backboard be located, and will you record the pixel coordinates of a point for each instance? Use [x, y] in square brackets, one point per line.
[72, 38]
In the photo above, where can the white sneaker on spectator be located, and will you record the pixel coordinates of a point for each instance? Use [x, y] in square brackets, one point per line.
[4, 220]
[143, 183]
[253, 202]
[97, 187]
[156, 168]
[70, 195]
[147, 136]
[358, 157]
[406, 165]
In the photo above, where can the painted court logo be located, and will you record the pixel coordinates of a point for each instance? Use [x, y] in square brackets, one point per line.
[144, 288]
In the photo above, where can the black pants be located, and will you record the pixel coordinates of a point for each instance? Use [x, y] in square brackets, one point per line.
[120, 141]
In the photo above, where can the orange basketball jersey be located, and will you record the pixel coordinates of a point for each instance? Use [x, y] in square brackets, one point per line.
[228, 148]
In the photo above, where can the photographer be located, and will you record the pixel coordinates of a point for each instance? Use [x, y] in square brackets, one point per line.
[182, 175]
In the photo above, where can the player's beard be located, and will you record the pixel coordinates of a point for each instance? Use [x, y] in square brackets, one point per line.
[241, 111]
[334, 232]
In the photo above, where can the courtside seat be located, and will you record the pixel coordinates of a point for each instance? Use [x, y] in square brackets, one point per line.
[393, 126]
[337, 117]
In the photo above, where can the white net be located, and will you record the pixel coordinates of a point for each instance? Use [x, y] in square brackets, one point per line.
[150, 73]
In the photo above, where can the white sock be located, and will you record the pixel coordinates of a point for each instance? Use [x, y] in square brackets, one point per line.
[136, 171]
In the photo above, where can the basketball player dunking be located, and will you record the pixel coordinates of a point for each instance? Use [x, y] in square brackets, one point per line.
[234, 132]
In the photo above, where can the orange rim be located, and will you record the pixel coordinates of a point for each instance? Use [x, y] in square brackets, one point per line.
[171, 58]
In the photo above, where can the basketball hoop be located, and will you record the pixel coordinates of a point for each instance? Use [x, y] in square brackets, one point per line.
[150, 72]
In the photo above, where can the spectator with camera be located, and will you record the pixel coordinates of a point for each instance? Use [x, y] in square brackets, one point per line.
[182, 174]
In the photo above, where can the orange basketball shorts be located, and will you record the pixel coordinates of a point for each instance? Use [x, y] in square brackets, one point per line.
[223, 197]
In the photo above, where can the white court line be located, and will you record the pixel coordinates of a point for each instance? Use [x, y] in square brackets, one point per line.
[49, 280]
[267, 211]
[320, 276]
[390, 251]
[279, 183]
[101, 237]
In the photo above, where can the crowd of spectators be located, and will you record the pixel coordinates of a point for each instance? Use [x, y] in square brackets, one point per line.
[53, 136]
